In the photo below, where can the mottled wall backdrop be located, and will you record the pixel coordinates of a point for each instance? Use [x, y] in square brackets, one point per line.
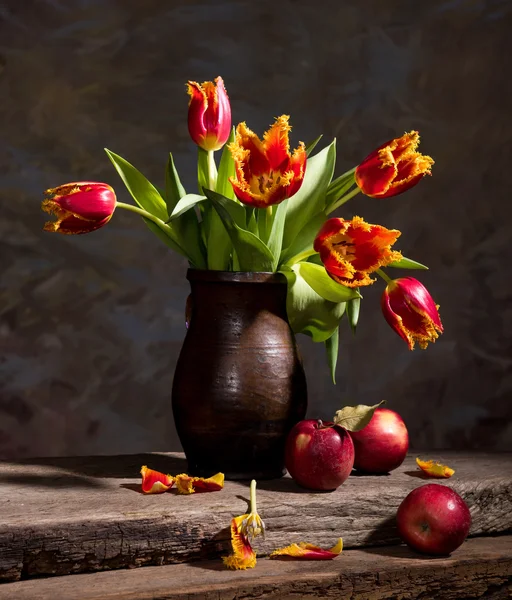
[91, 326]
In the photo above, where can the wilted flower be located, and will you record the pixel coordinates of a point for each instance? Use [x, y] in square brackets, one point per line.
[393, 168]
[351, 250]
[266, 173]
[209, 114]
[244, 529]
[412, 313]
[80, 207]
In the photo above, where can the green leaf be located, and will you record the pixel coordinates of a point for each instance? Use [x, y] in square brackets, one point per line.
[252, 253]
[187, 226]
[407, 263]
[353, 307]
[308, 312]
[143, 191]
[219, 244]
[275, 239]
[174, 190]
[339, 187]
[312, 145]
[310, 199]
[226, 170]
[354, 418]
[166, 239]
[185, 204]
[302, 245]
[317, 278]
[331, 347]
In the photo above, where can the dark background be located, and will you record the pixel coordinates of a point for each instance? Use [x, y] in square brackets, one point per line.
[91, 326]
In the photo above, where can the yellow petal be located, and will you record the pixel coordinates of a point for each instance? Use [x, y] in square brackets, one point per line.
[434, 468]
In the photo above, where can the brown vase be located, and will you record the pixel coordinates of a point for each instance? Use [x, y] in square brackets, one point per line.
[239, 386]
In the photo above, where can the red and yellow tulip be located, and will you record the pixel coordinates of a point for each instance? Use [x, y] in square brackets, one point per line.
[351, 250]
[80, 207]
[266, 172]
[393, 168]
[209, 114]
[410, 310]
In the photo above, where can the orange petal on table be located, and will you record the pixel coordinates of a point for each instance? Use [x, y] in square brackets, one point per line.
[434, 468]
[154, 482]
[188, 485]
[243, 556]
[303, 551]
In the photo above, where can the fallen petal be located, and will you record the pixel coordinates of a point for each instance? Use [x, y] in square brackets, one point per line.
[189, 485]
[434, 468]
[303, 551]
[154, 482]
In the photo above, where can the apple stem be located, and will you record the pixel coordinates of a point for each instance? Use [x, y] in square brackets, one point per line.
[253, 497]
[319, 423]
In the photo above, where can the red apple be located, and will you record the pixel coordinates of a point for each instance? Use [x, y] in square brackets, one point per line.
[318, 455]
[382, 445]
[433, 519]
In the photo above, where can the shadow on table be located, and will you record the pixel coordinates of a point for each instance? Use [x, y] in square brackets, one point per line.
[58, 480]
[118, 467]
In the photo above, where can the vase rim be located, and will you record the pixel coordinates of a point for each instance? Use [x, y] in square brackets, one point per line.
[235, 276]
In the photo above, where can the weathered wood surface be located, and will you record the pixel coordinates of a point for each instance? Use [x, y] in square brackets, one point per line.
[62, 516]
[480, 568]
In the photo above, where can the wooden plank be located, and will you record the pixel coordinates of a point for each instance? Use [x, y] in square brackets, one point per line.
[61, 516]
[481, 568]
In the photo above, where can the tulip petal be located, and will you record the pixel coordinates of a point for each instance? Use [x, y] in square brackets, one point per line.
[154, 482]
[277, 144]
[304, 551]
[434, 468]
[209, 114]
[189, 485]
[243, 556]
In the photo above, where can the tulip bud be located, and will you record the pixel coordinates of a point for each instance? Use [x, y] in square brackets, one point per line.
[412, 313]
[79, 207]
[209, 114]
[393, 168]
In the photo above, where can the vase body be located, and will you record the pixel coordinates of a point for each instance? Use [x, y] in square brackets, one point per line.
[239, 385]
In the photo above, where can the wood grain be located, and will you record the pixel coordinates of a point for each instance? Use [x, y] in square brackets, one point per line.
[480, 568]
[62, 516]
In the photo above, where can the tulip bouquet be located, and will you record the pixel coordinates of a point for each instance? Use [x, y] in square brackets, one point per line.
[264, 208]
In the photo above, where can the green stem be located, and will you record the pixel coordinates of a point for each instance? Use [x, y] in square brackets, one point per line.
[349, 172]
[145, 214]
[253, 497]
[212, 171]
[383, 275]
[343, 199]
[268, 221]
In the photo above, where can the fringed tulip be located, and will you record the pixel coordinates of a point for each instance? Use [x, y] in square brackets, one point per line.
[209, 114]
[393, 168]
[266, 172]
[411, 312]
[80, 207]
[351, 250]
